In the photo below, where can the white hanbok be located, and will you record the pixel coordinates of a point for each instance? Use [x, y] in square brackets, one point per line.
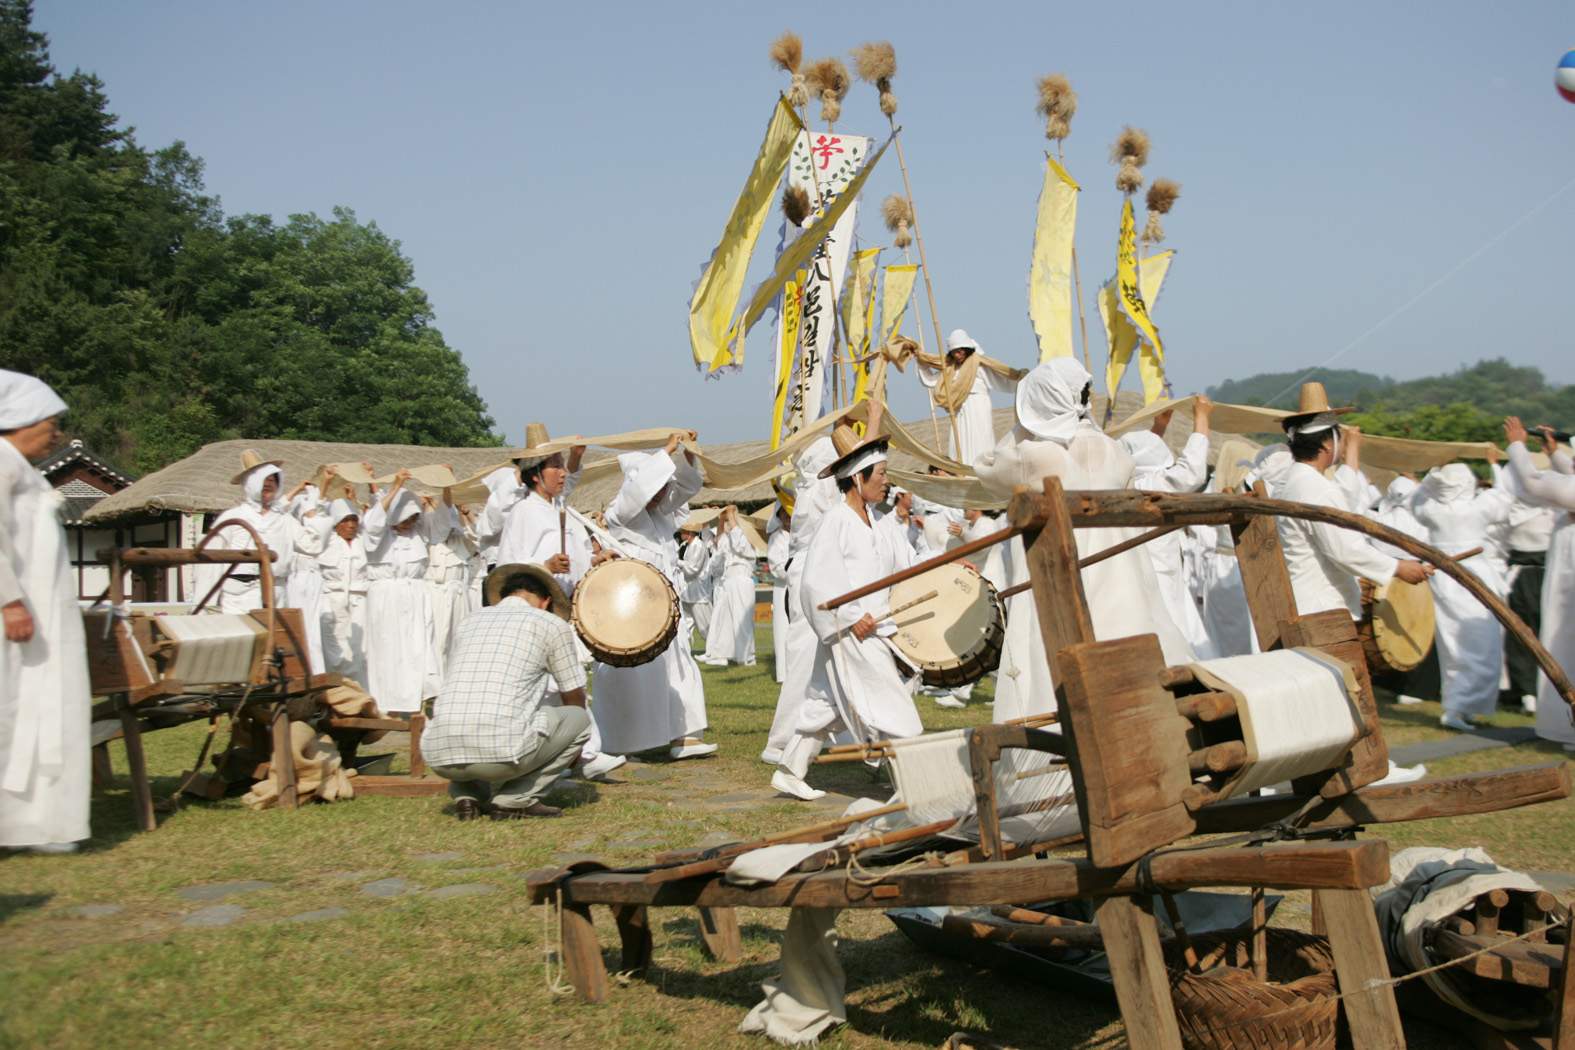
[1469, 638]
[450, 574]
[304, 588]
[639, 708]
[976, 418]
[731, 638]
[1158, 470]
[778, 546]
[343, 567]
[45, 775]
[1325, 561]
[241, 591]
[404, 667]
[503, 492]
[695, 564]
[1555, 489]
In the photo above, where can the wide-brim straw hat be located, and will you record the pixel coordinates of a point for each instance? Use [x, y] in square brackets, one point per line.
[251, 459]
[1313, 401]
[536, 437]
[492, 586]
[849, 446]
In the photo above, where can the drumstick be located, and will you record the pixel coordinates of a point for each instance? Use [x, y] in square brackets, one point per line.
[905, 606]
[1472, 553]
[1109, 552]
[563, 527]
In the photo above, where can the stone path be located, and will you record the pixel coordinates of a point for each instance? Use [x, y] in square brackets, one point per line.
[1485, 739]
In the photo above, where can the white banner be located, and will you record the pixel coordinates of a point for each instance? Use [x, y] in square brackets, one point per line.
[822, 165]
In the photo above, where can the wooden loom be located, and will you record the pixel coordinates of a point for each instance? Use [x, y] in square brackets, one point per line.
[1129, 744]
[130, 665]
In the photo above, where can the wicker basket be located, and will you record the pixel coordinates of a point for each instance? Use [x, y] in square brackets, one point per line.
[1226, 1008]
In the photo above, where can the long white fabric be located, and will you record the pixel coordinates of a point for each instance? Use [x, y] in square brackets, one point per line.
[778, 549]
[643, 707]
[1553, 488]
[732, 634]
[44, 701]
[1156, 469]
[1325, 560]
[1470, 640]
[975, 426]
[402, 662]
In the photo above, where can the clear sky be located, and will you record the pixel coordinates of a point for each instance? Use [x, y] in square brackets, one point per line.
[558, 172]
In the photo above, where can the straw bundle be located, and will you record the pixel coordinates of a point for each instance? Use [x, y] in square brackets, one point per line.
[1057, 104]
[898, 214]
[795, 205]
[1162, 196]
[787, 54]
[876, 63]
[1130, 150]
[829, 79]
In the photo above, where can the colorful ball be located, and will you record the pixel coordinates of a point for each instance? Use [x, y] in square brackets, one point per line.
[1564, 76]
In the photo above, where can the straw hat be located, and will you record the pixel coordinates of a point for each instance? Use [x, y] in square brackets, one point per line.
[1313, 411]
[251, 459]
[849, 447]
[492, 587]
[536, 437]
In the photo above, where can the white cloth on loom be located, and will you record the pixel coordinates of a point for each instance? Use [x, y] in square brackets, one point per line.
[280, 533]
[403, 664]
[806, 999]
[732, 634]
[1297, 716]
[1469, 638]
[638, 708]
[44, 692]
[778, 549]
[975, 420]
[812, 499]
[1156, 469]
[1324, 560]
[1122, 592]
[342, 565]
[1555, 489]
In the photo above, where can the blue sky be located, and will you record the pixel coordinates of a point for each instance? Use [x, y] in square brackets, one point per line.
[559, 172]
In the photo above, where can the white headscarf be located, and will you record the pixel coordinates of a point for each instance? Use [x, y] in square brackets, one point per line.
[502, 480]
[1398, 492]
[1450, 483]
[341, 509]
[1147, 449]
[252, 484]
[1050, 399]
[868, 458]
[405, 507]
[961, 340]
[1270, 466]
[25, 400]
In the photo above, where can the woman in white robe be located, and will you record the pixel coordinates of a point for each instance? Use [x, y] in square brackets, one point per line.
[304, 588]
[661, 702]
[975, 418]
[403, 667]
[778, 544]
[342, 564]
[1056, 436]
[1553, 488]
[1470, 640]
[45, 775]
[449, 571]
[264, 510]
[732, 635]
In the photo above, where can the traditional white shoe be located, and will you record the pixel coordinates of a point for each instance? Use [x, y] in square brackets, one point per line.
[1528, 704]
[691, 749]
[771, 756]
[786, 782]
[1406, 701]
[947, 700]
[711, 661]
[1449, 721]
[52, 847]
[1403, 774]
[597, 768]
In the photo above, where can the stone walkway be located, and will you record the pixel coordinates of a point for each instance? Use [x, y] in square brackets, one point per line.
[1485, 739]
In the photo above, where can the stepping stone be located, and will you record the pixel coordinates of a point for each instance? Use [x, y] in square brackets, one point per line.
[461, 889]
[1485, 739]
[437, 858]
[95, 911]
[644, 774]
[389, 888]
[320, 915]
[216, 915]
[634, 842]
[217, 891]
[582, 843]
[739, 796]
[348, 876]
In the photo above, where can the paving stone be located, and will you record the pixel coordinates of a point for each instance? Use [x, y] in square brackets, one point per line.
[95, 911]
[1485, 739]
[320, 915]
[437, 858]
[214, 915]
[581, 843]
[348, 876]
[461, 889]
[645, 774]
[389, 888]
[739, 796]
[217, 891]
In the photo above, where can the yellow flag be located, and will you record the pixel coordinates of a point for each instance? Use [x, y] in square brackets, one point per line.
[722, 282]
[859, 316]
[1129, 301]
[791, 312]
[1050, 272]
[1123, 339]
[894, 298]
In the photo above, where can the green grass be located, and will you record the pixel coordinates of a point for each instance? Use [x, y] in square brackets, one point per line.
[467, 971]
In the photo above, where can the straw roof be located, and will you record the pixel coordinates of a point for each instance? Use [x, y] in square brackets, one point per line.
[200, 483]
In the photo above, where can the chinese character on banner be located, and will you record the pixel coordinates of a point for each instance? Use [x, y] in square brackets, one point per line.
[825, 148]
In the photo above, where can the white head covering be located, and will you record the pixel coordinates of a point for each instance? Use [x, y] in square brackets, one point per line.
[1398, 492]
[25, 400]
[1050, 399]
[405, 507]
[341, 509]
[252, 483]
[961, 340]
[816, 458]
[501, 480]
[1271, 465]
[1449, 483]
[868, 458]
[1147, 449]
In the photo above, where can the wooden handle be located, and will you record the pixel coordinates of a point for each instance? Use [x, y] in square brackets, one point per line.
[1099, 556]
[905, 606]
[955, 554]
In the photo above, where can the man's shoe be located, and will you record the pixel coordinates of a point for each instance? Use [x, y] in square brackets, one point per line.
[467, 809]
[597, 768]
[535, 809]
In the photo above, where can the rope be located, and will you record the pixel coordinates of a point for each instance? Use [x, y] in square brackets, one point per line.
[553, 949]
[859, 875]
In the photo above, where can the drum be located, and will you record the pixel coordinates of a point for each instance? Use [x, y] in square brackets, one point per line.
[625, 612]
[954, 638]
[1397, 629]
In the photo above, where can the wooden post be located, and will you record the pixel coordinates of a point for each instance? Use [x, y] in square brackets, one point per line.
[1564, 1007]
[1137, 967]
[1362, 969]
[634, 930]
[582, 954]
[1270, 599]
[283, 759]
[418, 725]
[103, 772]
[720, 934]
[137, 766]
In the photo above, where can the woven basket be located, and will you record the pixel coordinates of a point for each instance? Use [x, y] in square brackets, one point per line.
[1226, 1008]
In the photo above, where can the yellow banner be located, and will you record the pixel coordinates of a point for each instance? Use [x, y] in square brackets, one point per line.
[1123, 339]
[859, 317]
[894, 298]
[1129, 300]
[1050, 272]
[722, 282]
[791, 307]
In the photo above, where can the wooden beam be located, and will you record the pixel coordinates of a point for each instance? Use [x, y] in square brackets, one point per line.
[582, 954]
[1518, 962]
[169, 557]
[634, 930]
[1271, 600]
[1362, 969]
[1137, 967]
[137, 766]
[1564, 1004]
[720, 934]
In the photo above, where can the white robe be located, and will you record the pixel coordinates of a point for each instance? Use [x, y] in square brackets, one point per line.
[1123, 592]
[503, 491]
[343, 568]
[1469, 638]
[778, 548]
[45, 775]
[639, 708]
[242, 589]
[732, 634]
[449, 575]
[1184, 473]
[856, 685]
[1556, 489]
[975, 420]
[304, 588]
[403, 664]
[1324, 561]
[695, 564]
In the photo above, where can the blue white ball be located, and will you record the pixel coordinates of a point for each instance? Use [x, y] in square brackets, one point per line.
[1564, 76]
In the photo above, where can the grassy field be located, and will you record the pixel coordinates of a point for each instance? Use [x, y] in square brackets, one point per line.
[98, 948]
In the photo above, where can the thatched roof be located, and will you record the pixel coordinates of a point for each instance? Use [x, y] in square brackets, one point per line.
[200, 483]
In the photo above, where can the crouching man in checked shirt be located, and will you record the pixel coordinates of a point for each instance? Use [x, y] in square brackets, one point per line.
[496, 733]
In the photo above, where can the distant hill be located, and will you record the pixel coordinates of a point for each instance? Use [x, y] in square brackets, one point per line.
[1346, 386]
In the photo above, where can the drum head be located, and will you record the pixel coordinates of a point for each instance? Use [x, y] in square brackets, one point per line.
[623, 606]
[1403, 624]
[947, 629]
